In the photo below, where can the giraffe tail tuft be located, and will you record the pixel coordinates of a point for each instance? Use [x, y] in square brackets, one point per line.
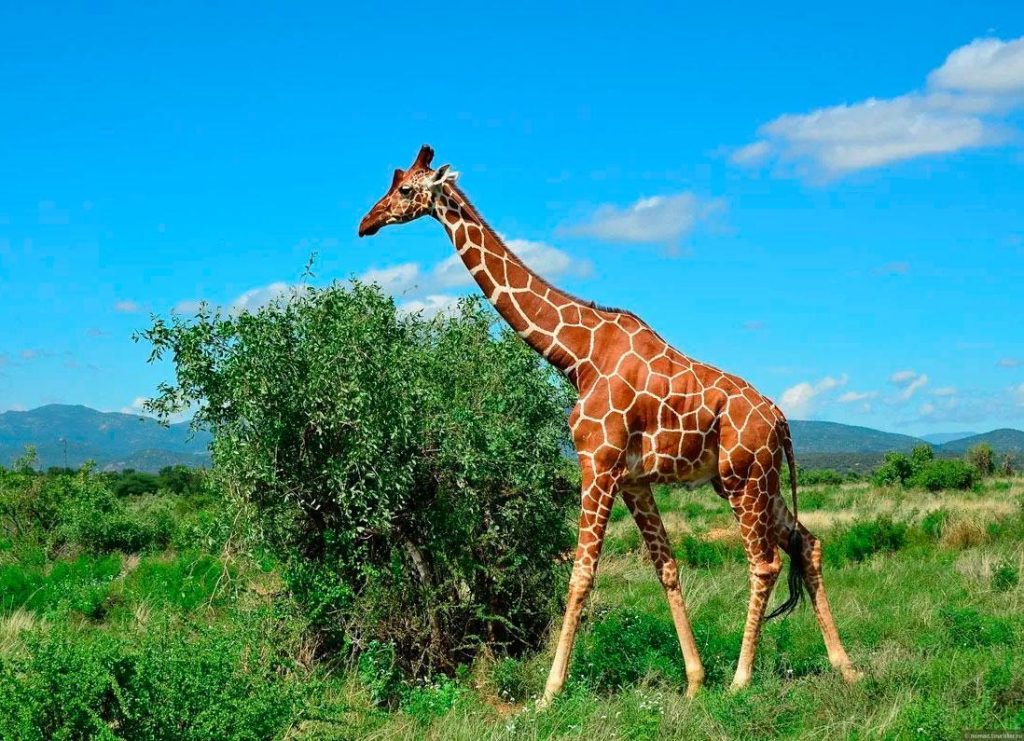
[795, 547]
[795, 579]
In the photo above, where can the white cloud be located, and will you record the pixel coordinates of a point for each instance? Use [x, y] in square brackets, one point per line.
[136, 407]
[961, 109]
[127, 306]
[799, 400]
[396, 279]
[657, 219]
[1017, 394]
[851, 397]
[983, 66]
[909, 383]
[945, 391]
[188, 306]
[411, 281]
[752, 154]
[901, 377]
[431, 305]
[256, 298]
[1009, 362]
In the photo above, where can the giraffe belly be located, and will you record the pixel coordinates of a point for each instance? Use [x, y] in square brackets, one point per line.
[672, 457]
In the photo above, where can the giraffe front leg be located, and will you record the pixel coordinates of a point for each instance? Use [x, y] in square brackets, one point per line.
[750, 508]
[642, 506]
[598, 497]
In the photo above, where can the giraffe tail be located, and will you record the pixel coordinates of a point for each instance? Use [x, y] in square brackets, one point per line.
[795, 547]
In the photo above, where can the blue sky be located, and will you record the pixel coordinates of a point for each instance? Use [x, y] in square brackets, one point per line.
[825, 200]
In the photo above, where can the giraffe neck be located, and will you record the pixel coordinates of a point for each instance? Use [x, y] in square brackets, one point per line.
[533, 307]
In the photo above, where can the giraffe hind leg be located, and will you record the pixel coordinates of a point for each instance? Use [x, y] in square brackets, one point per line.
[806, 549]
[642, 506]
[750, 505]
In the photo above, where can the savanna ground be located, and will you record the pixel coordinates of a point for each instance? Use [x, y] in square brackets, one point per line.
[149, 621]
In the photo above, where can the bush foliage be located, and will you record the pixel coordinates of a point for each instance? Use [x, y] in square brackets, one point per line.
[410, 473]
[922, 470]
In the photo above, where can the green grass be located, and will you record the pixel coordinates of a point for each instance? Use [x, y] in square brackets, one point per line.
[925, 588]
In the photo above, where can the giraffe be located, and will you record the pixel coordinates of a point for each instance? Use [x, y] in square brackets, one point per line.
[646, 414]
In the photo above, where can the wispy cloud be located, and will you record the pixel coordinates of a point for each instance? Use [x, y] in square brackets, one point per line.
[909, 383]
[1009, 362]
[801, 399]
[852, 397]
[754, 325]
[430, 290]
[963, 105]
[127, 306]
[655, 220]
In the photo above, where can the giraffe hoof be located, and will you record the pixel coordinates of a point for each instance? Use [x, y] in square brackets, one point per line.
[739, 684]
[851, 675]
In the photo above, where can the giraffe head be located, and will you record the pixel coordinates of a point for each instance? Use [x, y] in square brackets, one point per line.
[411, 195]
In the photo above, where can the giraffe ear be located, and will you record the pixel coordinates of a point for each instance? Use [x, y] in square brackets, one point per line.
[444, 174]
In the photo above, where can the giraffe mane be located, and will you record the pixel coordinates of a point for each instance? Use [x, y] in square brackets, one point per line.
[483, 222]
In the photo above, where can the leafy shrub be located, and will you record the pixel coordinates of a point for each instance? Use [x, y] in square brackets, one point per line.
[409, 473]
[81, 585]
[922, 470]
[177, 682]
[982, 459]
[820, 476]
[379, 673]
[896, 470]
[428, 700]
[135, 483]
[863, 539]
[184, 581]
[622, 646]
[944, 473]
[511, 681]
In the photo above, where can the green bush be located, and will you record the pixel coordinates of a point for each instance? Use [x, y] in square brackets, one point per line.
[895, 470]
[81, 585]
[511, 680]
[820, 476]
[178, 681]
[922, 470]
[620, 647]
[863, 539]
[409, 473]
[944, 473]
[982, 459]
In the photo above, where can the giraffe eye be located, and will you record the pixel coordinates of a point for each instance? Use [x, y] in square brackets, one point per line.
[405, 190]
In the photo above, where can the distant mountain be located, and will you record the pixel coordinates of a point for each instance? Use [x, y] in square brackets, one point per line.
[112, 439]
[1002, 441]
[941, 438]
[816, 438]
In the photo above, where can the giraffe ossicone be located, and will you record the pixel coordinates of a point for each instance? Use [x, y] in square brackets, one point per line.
[646, 413]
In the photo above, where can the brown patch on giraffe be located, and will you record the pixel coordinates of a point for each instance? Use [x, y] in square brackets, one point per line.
[570, 314]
